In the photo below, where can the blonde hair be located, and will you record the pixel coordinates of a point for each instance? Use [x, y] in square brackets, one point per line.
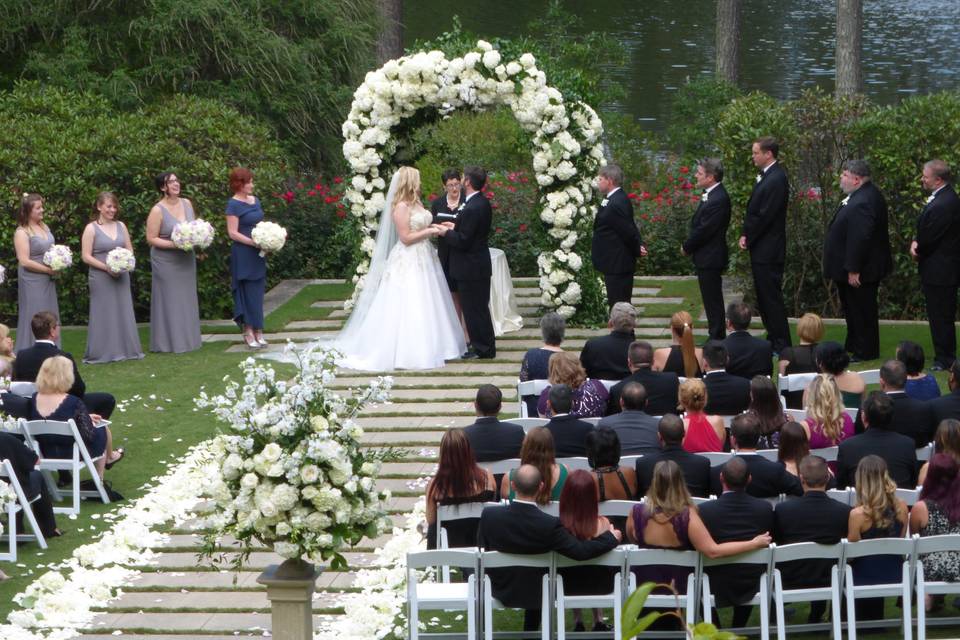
[55, 375]
[876, 492]
[692, 394]
[565, 368]
[668, 492]
[5, 333]
[810, 328]
[825, 406]
[408, 185]
[681, 323]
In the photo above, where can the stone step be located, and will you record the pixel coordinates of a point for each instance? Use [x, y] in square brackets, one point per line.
[195, 540]
[210, 600]
[408, 396]
[408, 469]
[305, 325]
[175, 636]
[392, 437]
[199, 622]
[258, 560]
[421, 408]
[410, 423]
[425, 382]
[226, 580]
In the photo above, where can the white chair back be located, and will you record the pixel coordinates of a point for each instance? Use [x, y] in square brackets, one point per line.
[870, 376]
[910, 496]
[827, 453]
[934, 544]
[843, 496]
[499, 560]
[770, 454]
[20, 503]
[497, 467]
[613, 599]
[924, 453]
[22, 388]
[551, 508]
[432, 596]
[904, 547]
[800, 552]
[573, 464]
[617, 508]
[716, 457]
[609, 383]
[630, 461]
[529, 388]
[652, 557]
[452, 512]
[593, 421]
[794, 382]
[529, 423]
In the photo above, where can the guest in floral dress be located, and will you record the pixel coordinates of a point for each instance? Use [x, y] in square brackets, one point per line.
[589, 395]
[938, 513]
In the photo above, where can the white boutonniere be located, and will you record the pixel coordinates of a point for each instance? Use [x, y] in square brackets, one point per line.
[929, 199]
[460, 208]
[604, 202]
[703, 198]
[844, 202]
[759, 177]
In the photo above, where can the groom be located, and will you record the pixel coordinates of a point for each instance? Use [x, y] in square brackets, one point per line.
[470, 263]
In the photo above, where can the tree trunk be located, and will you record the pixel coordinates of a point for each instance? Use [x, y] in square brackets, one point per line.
[849, 47]
[390, 42]
[728, 40]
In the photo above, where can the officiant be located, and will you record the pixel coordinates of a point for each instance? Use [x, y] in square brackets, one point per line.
[444, 209]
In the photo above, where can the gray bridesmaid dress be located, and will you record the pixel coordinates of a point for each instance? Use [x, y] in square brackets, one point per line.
[112, 331]
[174, 312]
[36, 292]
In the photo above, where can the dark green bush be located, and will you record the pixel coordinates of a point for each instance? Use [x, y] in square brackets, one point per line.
[694, 113]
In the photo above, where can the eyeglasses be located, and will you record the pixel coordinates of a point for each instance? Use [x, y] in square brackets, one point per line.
[172, 180]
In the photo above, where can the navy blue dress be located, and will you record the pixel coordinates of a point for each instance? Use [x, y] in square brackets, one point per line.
[248, 271]
[73, 408]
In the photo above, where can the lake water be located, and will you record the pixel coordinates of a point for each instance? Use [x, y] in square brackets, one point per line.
[909, 46]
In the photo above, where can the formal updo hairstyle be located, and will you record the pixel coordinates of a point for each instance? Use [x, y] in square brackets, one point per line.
[692, 394]
[239, 176]
[103, 197]
[26, 208]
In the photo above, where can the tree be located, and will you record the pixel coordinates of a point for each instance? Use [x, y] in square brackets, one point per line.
[849, 47]
[390, 41]
[728, 40]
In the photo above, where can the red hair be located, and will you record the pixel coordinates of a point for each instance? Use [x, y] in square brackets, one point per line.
[458, 475]
[578, 505]
[239, 176]
[941, 485]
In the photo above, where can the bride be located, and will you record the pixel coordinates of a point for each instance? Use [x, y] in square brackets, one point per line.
[404, 317]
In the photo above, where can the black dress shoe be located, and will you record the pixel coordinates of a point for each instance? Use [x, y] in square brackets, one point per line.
[579, 627]
[487, 356]
[469, 355]
[854, 359]
[602, 626]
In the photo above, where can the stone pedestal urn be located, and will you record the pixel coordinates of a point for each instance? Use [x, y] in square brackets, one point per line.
[290, 587]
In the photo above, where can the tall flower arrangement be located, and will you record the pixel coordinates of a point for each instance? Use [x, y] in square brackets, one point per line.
[565, 143]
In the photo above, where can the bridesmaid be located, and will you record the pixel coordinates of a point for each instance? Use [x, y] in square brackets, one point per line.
[174, 311]
[112, 331]
[248, 271]
[36, 290]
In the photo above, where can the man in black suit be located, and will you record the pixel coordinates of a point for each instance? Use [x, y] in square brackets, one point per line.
[768, 479]
[470, 263]
[813, 518]
[569, 432]
[727, 395]
[489, 438]
[897, 450]
[661, 386]
[46, 331]
[765, 236]
[696, 469]
[948, 405]
[736, 516]
[521, 527]
[856, 256]
[23, 459]
[616, 239]
[911, 417]
[936, 248]
[747, 356]
[605, 357]
[636, 428]
[707, 242]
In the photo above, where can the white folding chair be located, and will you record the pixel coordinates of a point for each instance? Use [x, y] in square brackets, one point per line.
[652, 557]
[794, 382]
[870, 376]
[761, 557]
[924, 453]
[877, 547]
[593, 421]
[852, 412]
[529, 423]
[450, 512]
[910, 496]
[807, 551]
[610, 383]
[716, 457]
[11, 508]
[434, 596]
[617, 508]
[699, 501]
[552, 508]
[630, 461]
[614, 599]
[573, 464]
[827, 453]
[496, 467]
[770, 454]
[507, 561]
[843, 496]
[21, 388]
[933, 544]
[529, 388]
[79, 460]
[798, 415]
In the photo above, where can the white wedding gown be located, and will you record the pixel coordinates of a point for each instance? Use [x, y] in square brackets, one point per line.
[411, 322]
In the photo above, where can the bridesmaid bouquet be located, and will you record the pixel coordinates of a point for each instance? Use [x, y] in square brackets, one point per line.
[192, 234]
[121, 260]
[58, 257]
[269, 236]
[3, 274]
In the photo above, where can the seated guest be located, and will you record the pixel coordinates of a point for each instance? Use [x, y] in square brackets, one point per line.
[6, 345]
[896, 450]
[813, 518]
[589, 395]
[833, 359]
[682, 357]
[538, 452]
[46, 331]
[536, 360]
[919, 385]
[879, 514]
[695, 469]
[603, 454]
[569, 432]
[489, 438]
[727, 395]
[736, 515]
[800, 358]
[911, 417]
[945, 440]
[747, 356]
[636, 429]
[605, 357]
[765, 404]
[14, 405]
[661, 386]
[53, 402]
[827, 424]
[937, 513]
[948, 406]
[792, 447]
[24, 460]
[768, 479]
[521, 527]
[458, 480]
[703, 432]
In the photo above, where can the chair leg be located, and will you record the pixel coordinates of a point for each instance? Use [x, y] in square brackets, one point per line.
[545, 608]
[851, 608]
[921, 605]
[76, 488]
[561, 611]
[907, 614]
[471, 607]
[764, 609]
[835, 604]
[705, 592]
[617, 608]
[778, 603]
[487, 610]
[34, 526]
[12, 526]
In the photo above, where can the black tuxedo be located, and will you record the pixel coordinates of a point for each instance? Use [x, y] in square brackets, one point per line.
[14, 405]
[696, 470]
[858, 241]
[748, 356]
[896, 449]
[437, 207]
[470, 268]
[23, 460]
[661, 387]
[493, 440]
[27, 365]
[768, 479]
[707, 245]
[616, 245]
[911, 417]
[765, 228]
[605, 357]
[569, 435]
[938, 251]
[946, 406]
[727, 395]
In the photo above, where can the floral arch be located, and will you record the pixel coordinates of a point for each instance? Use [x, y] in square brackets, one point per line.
[565, 141]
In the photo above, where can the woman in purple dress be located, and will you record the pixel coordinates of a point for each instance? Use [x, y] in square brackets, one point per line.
[589, 395]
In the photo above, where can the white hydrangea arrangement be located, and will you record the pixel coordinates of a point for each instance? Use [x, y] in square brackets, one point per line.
[269, 236]
[58, 257]
[565, 140]
[3, 274]
[121, 260]
[292, 473]
[190, 235]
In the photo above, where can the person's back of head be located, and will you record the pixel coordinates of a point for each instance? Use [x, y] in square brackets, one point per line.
[526, 482]
[560, 398]
[738, 315]
[912, 356]
[552, 328]
[715, 355]
[947, 438]
[640, 354]
[954, 380]
[734, 474]
[814, 473]
[831, 358]
[42, 325]
[671, 430]
[893, 375]
[877, 410]
[692, 394]
[633, 397]
[489, 400]
[810, 328]
[745, 429]
[623, 317]
[668, 493]
[603, 448]
[55, 375]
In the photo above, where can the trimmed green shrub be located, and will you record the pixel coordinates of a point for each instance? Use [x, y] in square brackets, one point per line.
[694, 113]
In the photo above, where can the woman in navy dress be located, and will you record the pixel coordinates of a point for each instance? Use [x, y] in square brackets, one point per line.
[248, 269]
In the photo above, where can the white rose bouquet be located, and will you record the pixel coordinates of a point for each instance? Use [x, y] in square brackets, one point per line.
[58, 257]
[121, 260]
[269, 236]
[192, 234]
[3, 274]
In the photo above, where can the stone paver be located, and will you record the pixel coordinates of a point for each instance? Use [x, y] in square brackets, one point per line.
[414, 422]
[259, 560]
[209, 600]
[448, 395]
[421, 408]
[391, 437]
[309, 325]
[197, 579]
[188, 621]
[425, 382]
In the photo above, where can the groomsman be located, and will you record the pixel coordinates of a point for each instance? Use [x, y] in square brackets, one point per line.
[856, 256]
[707, 242]
[936, 248]
[616, 239]
[765, 236]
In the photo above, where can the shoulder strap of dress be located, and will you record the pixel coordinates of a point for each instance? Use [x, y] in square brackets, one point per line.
[187, 209]
[623, 481]
[603, 493]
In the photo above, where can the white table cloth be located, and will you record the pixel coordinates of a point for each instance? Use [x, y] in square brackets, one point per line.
[503, 305]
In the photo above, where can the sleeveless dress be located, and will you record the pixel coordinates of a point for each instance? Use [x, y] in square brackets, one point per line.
[701, 436]
[674, 363]
[174, 311]
[557, 488]
[879, 569]
[411, 322]
[943, 566]
[801, 359]
[248, 270]
[819, 441]
[662, 573]
[112, 330]
[72, 407]
[36, 292]
[460, 533]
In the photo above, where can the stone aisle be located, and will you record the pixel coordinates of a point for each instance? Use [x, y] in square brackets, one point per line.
[180, 597]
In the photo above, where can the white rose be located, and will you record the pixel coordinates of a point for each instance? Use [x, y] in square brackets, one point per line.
[286, 550]
[249, 481]
[283, 530]
[309, 474]
[271, 452]
[319, 424]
